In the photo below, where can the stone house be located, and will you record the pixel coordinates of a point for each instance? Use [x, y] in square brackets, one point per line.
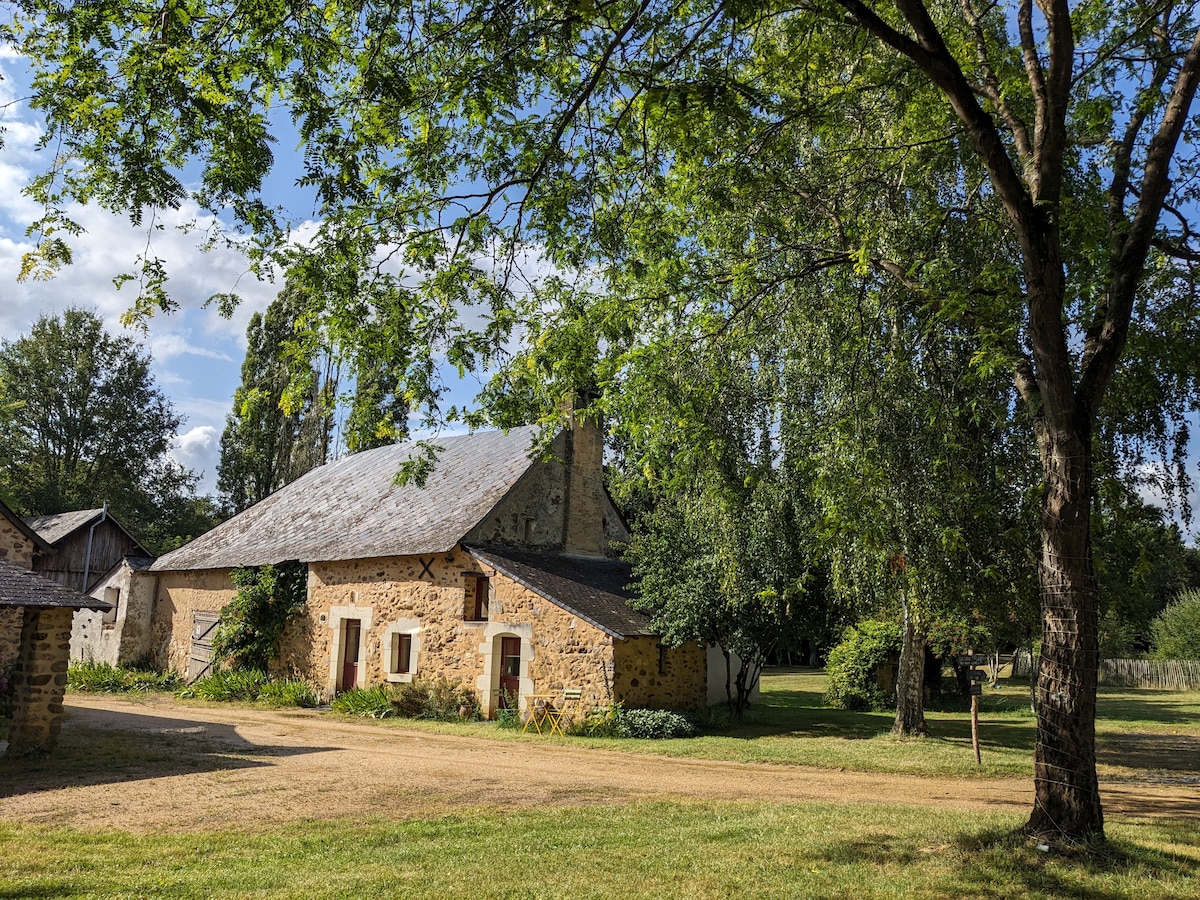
[498, 573]
[35, 632]
[92, 552]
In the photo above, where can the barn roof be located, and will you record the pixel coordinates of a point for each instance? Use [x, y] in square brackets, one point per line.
[594, 588]
[57, 527]
[353, 509]
[22, 587]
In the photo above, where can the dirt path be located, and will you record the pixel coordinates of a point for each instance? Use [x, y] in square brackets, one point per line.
[214, 767]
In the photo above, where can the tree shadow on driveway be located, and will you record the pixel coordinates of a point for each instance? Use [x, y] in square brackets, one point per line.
[115, 747]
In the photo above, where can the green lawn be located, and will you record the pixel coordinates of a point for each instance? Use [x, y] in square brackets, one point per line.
[683, 849]
[1145, 728]
[654, 850]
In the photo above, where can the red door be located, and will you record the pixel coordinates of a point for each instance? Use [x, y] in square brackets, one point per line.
[350, 655]
[510, 671]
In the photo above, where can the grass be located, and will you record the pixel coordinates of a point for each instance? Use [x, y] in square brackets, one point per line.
[791, 708]
[647, 850]
[695, 849]
[89, 676]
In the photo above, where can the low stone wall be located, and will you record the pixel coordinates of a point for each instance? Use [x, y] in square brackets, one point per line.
[40, 680]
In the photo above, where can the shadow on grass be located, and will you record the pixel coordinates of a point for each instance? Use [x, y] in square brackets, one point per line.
[121, 747]
[996, 863]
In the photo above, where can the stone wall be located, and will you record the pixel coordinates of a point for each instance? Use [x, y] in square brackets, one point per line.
[10, 633]
[428, 596]
[15, 545]
[640, 681]
[40, 679]
[16, 548]
[179, 594]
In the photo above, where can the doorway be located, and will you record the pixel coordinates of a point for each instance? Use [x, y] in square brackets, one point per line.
[351, 636]
[510, 672]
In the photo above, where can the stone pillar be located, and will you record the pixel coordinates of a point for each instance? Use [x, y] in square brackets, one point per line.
[40, 679]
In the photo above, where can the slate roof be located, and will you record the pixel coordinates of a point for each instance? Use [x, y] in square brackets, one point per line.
[58, 527]
[353, 509]
[22, 587]
[595, 589]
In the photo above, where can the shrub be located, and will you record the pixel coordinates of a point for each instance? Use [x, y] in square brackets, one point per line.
[603, 721]
[253, 622]
[853, 664]
[287, 692]
[655, 724]
[508, 715]
[443, 700]
[249, 686]
[1176, 629]
[103, 678]
[369, 703]
[226, 686]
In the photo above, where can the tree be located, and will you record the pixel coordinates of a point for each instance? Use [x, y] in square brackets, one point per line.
[276, 431]
[86, 425]
[441, 135]
[1177, 628]
[724, 556]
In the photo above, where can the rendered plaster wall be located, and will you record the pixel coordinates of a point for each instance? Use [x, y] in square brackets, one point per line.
[427, 596]
[180, 594]
[678, 683]
[123, 635]
[40, 680]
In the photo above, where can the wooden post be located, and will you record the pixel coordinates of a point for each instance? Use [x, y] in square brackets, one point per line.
[975, 726]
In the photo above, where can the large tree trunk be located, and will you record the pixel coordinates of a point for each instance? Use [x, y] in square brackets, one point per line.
[1067, 796]
[910, 680]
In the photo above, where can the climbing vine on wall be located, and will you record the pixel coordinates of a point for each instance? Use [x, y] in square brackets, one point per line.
[252, 624]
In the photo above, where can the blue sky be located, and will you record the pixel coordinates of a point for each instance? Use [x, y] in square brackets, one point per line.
[197, 354]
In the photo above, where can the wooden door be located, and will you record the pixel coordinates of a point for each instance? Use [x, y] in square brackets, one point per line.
[510, 671]
[350, 639]
[204, 624]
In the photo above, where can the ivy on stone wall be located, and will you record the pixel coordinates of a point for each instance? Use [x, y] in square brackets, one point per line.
[252, 624]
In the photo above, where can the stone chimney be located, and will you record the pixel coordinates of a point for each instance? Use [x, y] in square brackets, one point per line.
[584, 530]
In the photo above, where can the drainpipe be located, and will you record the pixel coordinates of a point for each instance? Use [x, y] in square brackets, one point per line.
[87, 559]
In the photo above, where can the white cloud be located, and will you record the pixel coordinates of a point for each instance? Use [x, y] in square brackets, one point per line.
[199, 449]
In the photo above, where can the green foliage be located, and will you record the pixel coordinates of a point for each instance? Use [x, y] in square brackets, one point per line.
[440, 700]
[101, 677]
[249, 686]
[603, 721]
[852, 665]
[1176, 629]
[253, 622]
[85, 424]
[286, 692]
[368, 703]
[226, 686]
[654, 724]
[1141, 565]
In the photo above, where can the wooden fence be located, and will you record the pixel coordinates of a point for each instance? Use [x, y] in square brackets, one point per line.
[1164, 674]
